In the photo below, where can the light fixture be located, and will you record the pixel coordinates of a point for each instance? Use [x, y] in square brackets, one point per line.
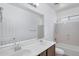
[37, 4]
[56, 3]
[34, 4]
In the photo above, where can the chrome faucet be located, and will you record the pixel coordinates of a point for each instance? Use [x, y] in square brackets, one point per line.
[16, 45]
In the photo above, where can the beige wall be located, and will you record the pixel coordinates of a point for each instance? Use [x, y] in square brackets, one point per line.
[68, 33]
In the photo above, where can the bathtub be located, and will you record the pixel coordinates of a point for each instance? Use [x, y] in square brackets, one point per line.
[70, 50]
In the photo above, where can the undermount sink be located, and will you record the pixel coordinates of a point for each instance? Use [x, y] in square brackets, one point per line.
[24, 52]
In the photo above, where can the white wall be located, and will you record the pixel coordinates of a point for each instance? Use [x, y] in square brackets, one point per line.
[49, 20]
[69, 12]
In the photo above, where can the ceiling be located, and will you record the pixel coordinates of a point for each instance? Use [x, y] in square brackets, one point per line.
[63, 6]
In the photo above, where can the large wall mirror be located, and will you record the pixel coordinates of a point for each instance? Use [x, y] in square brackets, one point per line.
[20, 24]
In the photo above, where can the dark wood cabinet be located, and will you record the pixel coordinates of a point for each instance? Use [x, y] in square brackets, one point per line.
[49, 52]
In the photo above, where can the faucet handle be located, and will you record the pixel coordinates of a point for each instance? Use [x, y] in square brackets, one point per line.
[14, 38]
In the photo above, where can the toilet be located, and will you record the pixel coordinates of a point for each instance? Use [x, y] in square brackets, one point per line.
[59, 52]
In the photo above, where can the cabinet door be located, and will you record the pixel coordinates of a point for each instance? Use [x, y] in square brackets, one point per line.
[43, 53]
[51, 51]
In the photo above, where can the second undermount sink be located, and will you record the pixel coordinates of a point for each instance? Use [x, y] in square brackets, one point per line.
[24, 52]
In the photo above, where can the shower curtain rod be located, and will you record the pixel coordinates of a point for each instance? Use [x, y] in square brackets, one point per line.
[71, 16]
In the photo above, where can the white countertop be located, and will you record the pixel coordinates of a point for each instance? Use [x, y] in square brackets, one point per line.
[32, 47]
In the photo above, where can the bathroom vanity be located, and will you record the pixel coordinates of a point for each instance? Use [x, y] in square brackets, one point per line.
[49, 52]
[32, 47]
